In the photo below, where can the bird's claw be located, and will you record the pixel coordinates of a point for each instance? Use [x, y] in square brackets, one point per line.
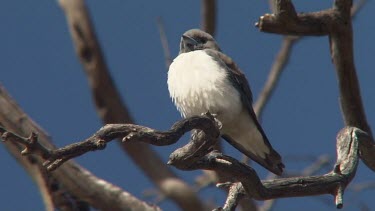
[214, 117]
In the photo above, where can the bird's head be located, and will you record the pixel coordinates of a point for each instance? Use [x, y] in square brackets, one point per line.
[195, 39]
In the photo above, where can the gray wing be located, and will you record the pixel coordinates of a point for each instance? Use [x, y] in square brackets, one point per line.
[272, 161]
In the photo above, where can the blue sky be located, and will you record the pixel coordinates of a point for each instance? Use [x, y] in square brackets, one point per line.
[43, 74]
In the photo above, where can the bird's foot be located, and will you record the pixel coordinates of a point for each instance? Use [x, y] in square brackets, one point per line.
[214, 117]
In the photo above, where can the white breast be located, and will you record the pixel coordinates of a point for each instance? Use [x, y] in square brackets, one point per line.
[198, 84]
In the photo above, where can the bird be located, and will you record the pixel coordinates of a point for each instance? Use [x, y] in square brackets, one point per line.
[203, 79]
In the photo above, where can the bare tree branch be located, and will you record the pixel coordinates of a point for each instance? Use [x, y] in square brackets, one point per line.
[71, 180]
[198, 154]
[277, 7]
[278, 66]
[267, 205]
[111, 109]
[306, 24]
[310, 170]
[282, 59]
[321, 162]
[234, 197]
[350, 96]
[362, 186]
[208, 16]
[54, 194]
[126, 132]
[336, 23]
[90, 54]
[36, 173]
[344, 171]
[357, 7]
[164, 42]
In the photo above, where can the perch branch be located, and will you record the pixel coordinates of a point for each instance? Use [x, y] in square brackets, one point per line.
[198, 154]
[127, 132]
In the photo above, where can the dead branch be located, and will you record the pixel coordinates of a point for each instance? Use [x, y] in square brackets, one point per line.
[335, 22]
[164, 42]
[363, 186]
[234, 197]
[54, 194]
[332, 183]
[70, 180]
[321, 162]
[286, 15]
[38, 174]
[279, 63]
[274, 75]
[282, 59]
[208, 13]
[278, 66]
[198, 154]
[111, 109]
[127, 132]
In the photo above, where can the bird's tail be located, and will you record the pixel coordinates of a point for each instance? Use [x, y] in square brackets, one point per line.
[248, 137]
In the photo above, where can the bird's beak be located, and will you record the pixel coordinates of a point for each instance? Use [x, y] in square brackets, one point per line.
[189, 40]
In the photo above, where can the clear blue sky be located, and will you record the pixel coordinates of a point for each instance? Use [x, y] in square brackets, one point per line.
[42, 72]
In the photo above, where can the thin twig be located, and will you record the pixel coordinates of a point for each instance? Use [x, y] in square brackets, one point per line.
[362, 186]
[278, 66]
[164, 42]
[357, 7]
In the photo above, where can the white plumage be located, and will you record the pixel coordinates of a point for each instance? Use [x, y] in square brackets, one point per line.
[197, 84]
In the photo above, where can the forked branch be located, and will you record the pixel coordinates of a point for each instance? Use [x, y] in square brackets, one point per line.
[337, 24]
[198, 154]
[127, 132]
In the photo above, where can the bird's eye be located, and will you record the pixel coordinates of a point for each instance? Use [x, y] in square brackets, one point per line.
[203, 41]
